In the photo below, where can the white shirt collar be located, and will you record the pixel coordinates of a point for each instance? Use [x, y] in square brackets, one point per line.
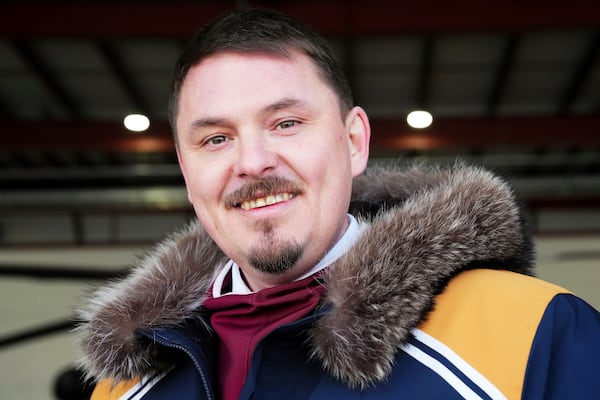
[340, 248]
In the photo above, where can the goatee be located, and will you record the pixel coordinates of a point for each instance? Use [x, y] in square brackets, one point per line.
[274, 255]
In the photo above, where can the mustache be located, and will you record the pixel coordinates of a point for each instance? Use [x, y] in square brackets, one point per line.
[271, 185]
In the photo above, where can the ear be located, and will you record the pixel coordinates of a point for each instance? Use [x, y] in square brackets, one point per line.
[359, 134]
[183, 171]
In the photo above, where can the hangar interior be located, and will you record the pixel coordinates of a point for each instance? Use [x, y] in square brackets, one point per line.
[512, 86]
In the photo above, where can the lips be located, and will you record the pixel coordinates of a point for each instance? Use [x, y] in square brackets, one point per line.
[265, 192]
[265, 201]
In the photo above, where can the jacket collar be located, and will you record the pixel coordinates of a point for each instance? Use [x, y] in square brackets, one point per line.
[424, 225]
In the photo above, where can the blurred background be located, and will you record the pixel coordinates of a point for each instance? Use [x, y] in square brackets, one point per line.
[511, 85]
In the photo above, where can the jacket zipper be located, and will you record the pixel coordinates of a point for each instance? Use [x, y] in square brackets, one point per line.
[158, 339]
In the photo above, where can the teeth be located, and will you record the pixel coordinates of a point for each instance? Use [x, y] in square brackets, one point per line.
[265, 201]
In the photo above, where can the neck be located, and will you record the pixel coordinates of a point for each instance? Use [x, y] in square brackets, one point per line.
[251, 280]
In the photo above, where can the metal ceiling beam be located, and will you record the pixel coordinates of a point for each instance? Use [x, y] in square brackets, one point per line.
[505, 67]
[349, 65]
[48, 78]
[126, 79]
[6, 111]
[423, 96]
[581, 74]
[488, 133]
[331, 17]
[388, 134]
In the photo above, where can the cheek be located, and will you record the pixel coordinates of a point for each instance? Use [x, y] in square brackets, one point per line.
[199, 189]
[202, 176]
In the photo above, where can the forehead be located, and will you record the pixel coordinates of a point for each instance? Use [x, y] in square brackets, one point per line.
[232, 56]
[226, 80]
[248, 65]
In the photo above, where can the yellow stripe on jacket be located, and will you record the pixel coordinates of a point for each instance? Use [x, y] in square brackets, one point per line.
[106, 390]
[489, 318]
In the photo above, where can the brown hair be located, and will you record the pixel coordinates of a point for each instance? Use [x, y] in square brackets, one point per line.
[259, 31]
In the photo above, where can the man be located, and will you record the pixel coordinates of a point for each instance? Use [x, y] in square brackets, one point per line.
[278, 293]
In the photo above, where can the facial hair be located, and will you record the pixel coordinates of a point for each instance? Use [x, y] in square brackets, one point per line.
[265, 186]
[274, 255]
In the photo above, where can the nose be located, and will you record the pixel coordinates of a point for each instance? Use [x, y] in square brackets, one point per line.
[255, 157]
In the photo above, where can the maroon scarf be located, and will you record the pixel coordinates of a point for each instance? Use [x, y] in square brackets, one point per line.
[241, 321]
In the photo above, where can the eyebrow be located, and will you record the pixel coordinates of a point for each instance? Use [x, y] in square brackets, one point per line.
[284, 103]
[205, 122]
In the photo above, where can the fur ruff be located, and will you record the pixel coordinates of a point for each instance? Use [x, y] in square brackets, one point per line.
[429, 225]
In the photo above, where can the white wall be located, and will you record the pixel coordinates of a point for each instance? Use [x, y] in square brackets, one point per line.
[572, 262]
[29, 369]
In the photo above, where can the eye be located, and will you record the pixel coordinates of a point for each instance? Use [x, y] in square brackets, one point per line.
[216, 140]
[287, 124]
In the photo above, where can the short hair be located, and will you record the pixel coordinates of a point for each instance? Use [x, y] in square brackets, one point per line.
[259, 31]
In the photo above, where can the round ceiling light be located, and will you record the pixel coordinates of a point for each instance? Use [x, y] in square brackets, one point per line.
[419, 119]
[136, 122]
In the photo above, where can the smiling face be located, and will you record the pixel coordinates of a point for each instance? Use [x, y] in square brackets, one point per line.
[268, 160]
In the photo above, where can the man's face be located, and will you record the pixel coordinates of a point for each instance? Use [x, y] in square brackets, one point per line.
[268, 160]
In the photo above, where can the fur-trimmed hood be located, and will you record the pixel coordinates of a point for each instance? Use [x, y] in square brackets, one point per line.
[424, 225]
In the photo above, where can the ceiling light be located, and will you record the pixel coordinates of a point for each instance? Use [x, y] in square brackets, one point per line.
[419, 119]
[136, 122]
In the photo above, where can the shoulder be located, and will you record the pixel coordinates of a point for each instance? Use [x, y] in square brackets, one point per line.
[490, 318]
[505, 298]
[501, 286]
